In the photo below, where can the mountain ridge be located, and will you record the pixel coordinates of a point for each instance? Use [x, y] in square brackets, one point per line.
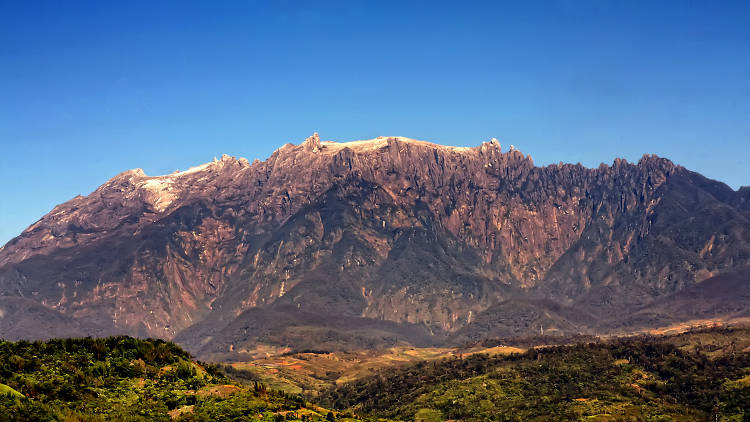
[390, 229]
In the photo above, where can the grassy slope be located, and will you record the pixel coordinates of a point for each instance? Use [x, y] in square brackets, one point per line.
[122, 378]
[692, 376]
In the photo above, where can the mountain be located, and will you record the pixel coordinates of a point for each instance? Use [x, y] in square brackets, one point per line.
[379, 242]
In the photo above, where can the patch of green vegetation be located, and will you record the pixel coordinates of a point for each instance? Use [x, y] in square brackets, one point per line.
[5, 390]
[713, 342]
[645, 378]
[122, 378]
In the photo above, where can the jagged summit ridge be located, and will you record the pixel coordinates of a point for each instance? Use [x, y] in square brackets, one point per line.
[387, 229]
[309, 167]
[314, 144]
[211, 165]
[368, 145]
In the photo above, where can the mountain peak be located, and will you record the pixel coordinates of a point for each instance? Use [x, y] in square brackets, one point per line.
[127, 174]
[312, 143]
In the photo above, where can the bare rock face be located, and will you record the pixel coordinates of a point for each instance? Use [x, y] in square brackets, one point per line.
[421, 240]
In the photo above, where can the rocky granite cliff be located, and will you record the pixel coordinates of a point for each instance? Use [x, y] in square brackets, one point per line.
[373, 243]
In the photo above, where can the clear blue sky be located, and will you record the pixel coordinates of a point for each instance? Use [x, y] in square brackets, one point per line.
[89, 89]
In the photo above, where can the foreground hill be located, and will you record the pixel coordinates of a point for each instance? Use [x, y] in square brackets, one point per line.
[390, 241]
[698, 375]
[695, 376]
[122, 378]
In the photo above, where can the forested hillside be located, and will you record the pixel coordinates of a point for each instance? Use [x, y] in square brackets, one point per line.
[122, 378]
[697, 376]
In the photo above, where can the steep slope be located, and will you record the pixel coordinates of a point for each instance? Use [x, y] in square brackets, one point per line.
[390, 229]
[723, 298]
[20, 317]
